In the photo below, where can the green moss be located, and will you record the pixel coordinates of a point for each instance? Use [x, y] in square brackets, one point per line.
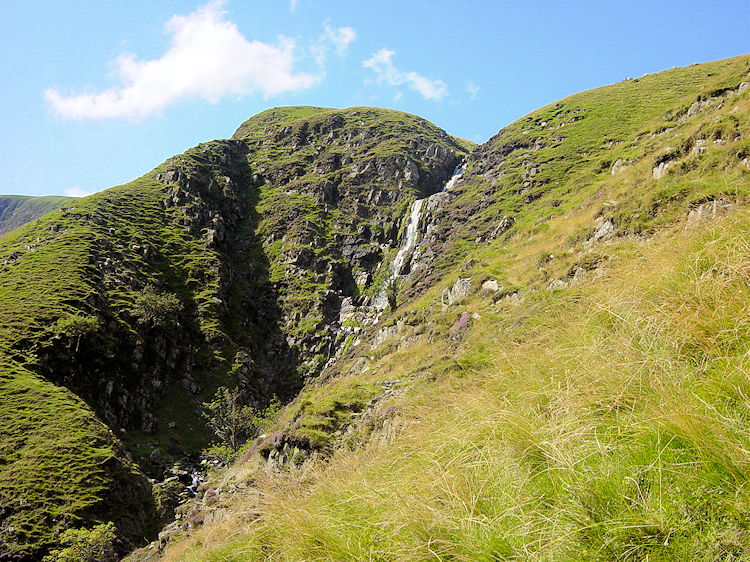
[318, 413]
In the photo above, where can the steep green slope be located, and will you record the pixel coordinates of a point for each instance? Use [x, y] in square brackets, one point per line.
[593, 156]
[52, 280]
[61, 466]
[568, 378]
[224, 266]
[337, 186]
[16, 210]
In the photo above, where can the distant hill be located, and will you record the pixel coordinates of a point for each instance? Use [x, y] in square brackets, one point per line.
[16, 210]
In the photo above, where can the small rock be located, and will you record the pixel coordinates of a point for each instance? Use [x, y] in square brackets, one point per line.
[461, 289]
[490, 286]
[604, 229]
[618, 166]
[505, 223]
[347, 309]
[445, 298]
[514, 298]
[660, 171]
[708, 211]
[696, 107]
[578, 275]
[362, 278]
[557, 284]
[383, 334]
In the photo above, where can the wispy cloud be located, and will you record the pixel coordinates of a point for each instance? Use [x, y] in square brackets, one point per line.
[292, 5]
[387, 72]
[207, 58]
[336, 39]
[340, 37]
[76, 192]
[472, 89]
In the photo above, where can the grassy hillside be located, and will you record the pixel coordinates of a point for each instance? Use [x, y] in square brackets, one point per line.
[589, 402]
[16, 210]
[602, 422]
[557, 163]
[61, 467]
[63, 377]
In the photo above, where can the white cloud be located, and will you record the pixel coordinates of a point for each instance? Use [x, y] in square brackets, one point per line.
[341, 37]
[76, 192]
[208, 58]
[472, 89]
[387, 72]
[337, 39]
[292, 5]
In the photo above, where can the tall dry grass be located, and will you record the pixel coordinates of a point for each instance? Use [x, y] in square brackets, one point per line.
[607, 421]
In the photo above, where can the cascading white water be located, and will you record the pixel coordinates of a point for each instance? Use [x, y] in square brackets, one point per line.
[457, 173]
[410, 237]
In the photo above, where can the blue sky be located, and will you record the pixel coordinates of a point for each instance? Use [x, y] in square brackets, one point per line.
[96, 92]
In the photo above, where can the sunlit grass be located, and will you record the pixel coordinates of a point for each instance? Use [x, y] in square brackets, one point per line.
[611, 423]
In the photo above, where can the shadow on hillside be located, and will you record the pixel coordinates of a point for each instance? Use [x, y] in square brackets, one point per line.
[256, 319]
[150, 378]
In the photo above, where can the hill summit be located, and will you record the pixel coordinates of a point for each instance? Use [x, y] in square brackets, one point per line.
[225, 266]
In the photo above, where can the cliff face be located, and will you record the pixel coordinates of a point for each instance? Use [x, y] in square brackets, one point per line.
[227, 265]
[336, 186]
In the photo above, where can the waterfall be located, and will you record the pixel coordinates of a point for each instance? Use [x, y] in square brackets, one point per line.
[410, 237]
[457, 173]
